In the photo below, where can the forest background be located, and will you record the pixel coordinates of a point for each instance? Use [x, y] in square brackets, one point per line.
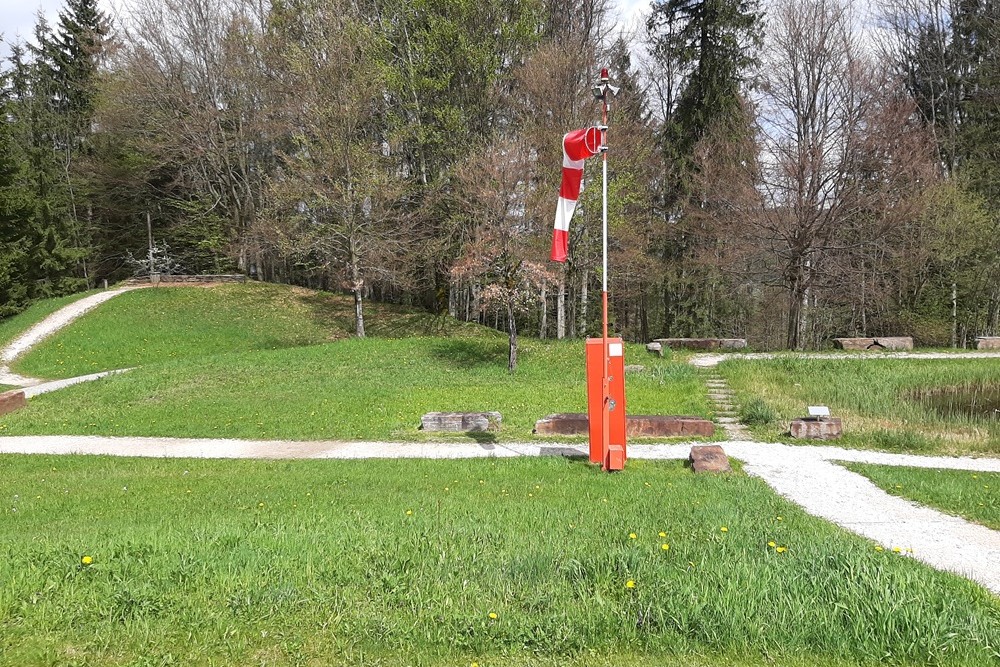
[785, 172]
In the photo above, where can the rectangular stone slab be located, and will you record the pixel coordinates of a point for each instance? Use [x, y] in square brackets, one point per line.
[461, 422]
[879, 343]
[12, 400]
[702, 343]
[636, 426]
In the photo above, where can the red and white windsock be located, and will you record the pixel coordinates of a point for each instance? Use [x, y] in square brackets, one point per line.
[578, 145]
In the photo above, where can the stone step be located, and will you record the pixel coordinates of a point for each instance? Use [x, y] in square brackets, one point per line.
[727, 420]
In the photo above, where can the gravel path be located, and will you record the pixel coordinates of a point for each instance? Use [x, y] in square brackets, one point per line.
[46, 328]
[804, 475]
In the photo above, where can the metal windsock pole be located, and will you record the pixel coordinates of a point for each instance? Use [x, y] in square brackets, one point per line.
[602, 93]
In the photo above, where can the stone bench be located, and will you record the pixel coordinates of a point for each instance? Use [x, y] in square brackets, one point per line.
[636, 426]
[702, 343]
[12, 400]
[988, 343]
[461, 422]
[879, 343]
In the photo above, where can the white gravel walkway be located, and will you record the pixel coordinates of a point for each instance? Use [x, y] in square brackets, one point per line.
[804, 475]
[710, 359]
[46, 328]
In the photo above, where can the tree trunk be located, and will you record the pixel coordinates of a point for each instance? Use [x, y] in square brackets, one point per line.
[954, 314]
[581, 321]
[545, 310]
[561, 310]
[512, 330]
[357, 285]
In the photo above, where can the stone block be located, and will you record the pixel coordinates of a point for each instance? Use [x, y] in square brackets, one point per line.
[636, 426]
[634, 368]
[988, 343]
[880, 343]
[702, 343]
[461, 422]
[655, 348]
[709, 458]
[816, 428]
[12, 400]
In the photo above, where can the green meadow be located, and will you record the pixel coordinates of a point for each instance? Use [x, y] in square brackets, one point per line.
[494, 562]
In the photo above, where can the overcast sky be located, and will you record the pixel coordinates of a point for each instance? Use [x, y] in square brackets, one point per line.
[17, 17]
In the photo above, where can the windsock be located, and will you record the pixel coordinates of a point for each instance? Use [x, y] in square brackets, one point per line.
[578, 145]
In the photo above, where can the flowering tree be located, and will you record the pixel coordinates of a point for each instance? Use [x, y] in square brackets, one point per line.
[496, 187]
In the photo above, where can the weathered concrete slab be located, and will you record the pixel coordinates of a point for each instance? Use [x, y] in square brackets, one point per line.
[634, 368]
[813, 428]
[709, 458]
[988, 343]
[879, 343]
[460, 422]
[12, 400]
[702, 343]
[636, 426]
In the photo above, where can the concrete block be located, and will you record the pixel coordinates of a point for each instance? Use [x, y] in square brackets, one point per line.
[876, 344]
[461, 422]
[817, 428]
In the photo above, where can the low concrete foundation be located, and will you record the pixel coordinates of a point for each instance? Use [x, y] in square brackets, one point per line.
[988, 343]
[461, 422]
[817, 428]
[12, 400]
[636, 426]
[880, 343]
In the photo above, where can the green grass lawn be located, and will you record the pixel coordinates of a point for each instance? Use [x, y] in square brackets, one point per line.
[12, 327]
[155, 325]
[498, 562]
[353, 389]
[871, 398]
[972, 495]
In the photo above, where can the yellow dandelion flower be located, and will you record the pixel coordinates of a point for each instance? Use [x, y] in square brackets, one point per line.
[475, 664]
[781, 550]
[879, 549]
[772, 544]
[409, 512]
[724, 529]
[781, 518]
[86, 560]
[632, 536]
[260, 505]
[662, 534]
[897, 550]
[493, 616]
[630, 583]
[665, 546]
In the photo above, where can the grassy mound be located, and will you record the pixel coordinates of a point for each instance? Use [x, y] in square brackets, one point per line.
[354, 389]
[450, 563]
[972, 495]
[154, 325]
